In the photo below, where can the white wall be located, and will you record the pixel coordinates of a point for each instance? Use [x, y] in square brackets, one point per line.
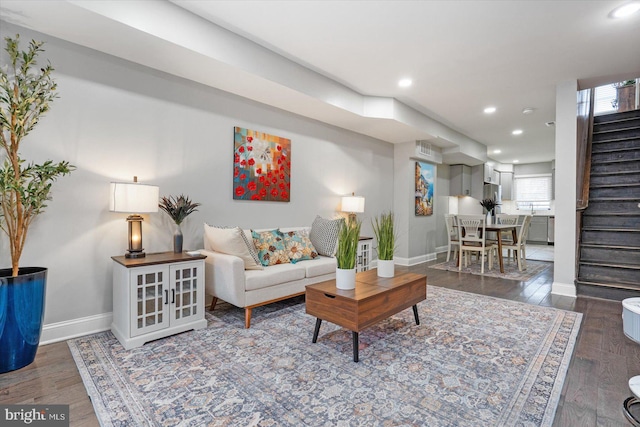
[418, 236]
[116, 119]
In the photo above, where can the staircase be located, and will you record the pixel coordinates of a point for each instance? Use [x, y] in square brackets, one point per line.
[609, 264]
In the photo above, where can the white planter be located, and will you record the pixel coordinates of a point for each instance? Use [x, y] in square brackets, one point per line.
[345, 278]
[386, 268]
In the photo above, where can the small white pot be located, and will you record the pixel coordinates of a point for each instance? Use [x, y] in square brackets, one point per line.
[345, 278]
[386, 268]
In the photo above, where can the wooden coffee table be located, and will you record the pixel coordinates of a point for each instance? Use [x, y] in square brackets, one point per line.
[374, 299]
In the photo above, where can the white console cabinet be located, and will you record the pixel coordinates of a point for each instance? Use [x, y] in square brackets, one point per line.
[363, 261]
[156, 296]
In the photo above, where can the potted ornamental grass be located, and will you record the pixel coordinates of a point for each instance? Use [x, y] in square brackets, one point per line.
[26, 92]
[383, 229]
[346, 253]
[178, 208]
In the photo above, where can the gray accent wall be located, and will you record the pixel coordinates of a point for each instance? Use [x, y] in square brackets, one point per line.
[115, 119]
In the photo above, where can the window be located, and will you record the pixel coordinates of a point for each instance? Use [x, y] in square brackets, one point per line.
[533, 192]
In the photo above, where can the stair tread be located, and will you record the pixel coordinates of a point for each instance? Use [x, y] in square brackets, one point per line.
[634, 184]
[615, 173]
[621, 229]
[608, 264]
[613, 199]
[605, 246]
[619, 285]
[626, 138]
[602, 162]
[625, 129]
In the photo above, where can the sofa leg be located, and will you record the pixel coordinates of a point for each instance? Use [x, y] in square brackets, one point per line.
[247, 317]
[213, 303]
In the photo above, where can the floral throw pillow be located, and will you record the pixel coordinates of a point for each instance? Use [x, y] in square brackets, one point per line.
[270, 247]
[298, 246]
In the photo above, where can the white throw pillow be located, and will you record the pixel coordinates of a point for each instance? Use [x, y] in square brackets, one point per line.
[231, 241]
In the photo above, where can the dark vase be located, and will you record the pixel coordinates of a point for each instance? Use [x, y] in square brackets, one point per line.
[177, 240]
[21, 316]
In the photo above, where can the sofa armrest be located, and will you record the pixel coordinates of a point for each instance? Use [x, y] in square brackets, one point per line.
[224, 277]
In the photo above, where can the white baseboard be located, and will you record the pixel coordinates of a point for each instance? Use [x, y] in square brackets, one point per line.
[61, 331]
[415, 260]
[565, 289]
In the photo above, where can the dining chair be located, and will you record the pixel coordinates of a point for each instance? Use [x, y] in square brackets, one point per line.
[520, 247]
[472, 232]
[452, 234]
[507, 236]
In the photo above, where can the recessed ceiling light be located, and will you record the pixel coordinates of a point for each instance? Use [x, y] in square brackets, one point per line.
[528, 110]
[517, 132]
[497, 151]
[516, 161]
[405, 82]
[625, 10]
[490, 110]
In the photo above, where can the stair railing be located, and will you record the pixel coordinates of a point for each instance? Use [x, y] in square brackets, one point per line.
[586, 101]
[586, 107]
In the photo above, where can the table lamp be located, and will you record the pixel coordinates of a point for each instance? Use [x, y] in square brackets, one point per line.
[134, 198]
[352, 204]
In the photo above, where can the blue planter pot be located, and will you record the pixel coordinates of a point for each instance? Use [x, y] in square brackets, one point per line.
[21, 316]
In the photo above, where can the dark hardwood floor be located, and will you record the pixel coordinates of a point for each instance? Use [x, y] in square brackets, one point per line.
[596, 385]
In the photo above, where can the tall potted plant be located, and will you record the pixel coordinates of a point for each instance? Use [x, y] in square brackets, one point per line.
[348, 237]
[383, 228]
[26, 91]
[178, 208]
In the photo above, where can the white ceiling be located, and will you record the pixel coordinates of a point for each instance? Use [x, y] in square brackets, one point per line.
[340, 61]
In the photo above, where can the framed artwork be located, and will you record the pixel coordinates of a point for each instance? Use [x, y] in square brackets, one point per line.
[424, 177]
[261, 166]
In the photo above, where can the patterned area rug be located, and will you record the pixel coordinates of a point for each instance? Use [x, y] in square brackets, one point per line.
[473, 361]
[511, 271]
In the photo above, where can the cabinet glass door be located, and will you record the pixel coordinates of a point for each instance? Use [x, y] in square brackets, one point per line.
[184, 298]
[149, 295]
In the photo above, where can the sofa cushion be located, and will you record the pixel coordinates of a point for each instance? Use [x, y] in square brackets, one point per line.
[298, 246]
[270, 247]
[273, 275]
[324, 235]
[231, 241]
[320, 266]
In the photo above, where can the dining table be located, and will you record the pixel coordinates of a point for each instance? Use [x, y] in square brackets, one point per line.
[499, 228]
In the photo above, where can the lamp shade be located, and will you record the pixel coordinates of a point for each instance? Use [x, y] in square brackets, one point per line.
[131, 197]
[353, 204]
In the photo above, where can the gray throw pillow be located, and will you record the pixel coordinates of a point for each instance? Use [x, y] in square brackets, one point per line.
[324, 235]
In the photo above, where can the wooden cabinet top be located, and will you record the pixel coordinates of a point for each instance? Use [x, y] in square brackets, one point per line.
[156, 258]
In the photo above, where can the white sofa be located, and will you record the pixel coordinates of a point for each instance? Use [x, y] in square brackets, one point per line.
[227, 279]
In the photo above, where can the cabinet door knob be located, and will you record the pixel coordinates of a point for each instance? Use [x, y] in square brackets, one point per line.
[173, 296]
[166, 297]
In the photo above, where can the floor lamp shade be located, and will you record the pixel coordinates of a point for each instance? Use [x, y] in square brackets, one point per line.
[134, 198]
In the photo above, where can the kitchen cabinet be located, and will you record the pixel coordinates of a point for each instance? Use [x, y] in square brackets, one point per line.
[506, 182]
[460, 180]
[538, 231]
[491, 176]
[157, 296]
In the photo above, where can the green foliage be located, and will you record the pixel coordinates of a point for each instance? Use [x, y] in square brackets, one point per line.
[25, 94]
[488, 204]
[383, 228]
[348, 237]
[178, 208]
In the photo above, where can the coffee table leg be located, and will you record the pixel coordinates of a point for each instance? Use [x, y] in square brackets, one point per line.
[415, 314]
[315, 332]
[355, 346]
